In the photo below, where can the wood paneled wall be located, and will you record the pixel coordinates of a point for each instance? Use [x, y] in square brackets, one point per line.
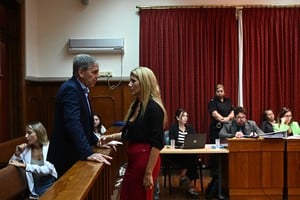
[111, 104]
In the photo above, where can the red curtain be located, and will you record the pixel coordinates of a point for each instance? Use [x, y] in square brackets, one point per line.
[271, 60]
[3, 76]
[190, 50]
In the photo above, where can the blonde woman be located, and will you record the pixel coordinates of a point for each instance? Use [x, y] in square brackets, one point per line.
[145, 121]
[31, 156]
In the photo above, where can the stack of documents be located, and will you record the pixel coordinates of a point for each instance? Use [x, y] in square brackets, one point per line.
[276, 134]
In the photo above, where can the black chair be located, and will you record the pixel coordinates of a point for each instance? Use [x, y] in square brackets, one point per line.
[167, 166]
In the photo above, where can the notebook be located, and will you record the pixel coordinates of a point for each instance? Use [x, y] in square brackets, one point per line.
[194, 141]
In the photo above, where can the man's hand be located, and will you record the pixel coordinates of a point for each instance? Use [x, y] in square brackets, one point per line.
[239, 134]
[253, 134]
[98, 157]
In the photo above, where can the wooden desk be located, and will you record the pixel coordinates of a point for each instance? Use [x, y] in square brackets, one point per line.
[207, 150]
[293, 168]
[256, 169]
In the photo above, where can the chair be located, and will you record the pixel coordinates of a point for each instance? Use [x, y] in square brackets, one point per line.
[167, 166]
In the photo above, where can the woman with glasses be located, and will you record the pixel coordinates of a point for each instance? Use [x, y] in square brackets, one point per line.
[286, 122]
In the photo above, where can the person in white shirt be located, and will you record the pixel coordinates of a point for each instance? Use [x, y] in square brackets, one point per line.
[31, 156]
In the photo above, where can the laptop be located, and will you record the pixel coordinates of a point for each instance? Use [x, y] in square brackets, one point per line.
[194, 141]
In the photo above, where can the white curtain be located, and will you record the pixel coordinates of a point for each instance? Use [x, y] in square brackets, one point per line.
[239, 14]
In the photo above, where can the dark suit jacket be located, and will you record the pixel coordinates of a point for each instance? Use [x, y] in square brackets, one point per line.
[72, 136]
[229, 129]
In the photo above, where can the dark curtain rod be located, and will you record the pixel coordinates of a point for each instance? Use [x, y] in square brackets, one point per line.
[219, 6]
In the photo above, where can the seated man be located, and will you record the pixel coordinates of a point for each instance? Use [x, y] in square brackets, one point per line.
[240, 127]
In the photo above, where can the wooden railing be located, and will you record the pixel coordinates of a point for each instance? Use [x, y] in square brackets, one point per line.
[87, 179]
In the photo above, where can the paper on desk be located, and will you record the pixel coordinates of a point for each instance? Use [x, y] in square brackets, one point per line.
[294, 137]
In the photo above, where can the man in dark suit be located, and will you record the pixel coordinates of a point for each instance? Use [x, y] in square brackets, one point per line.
[72, 136]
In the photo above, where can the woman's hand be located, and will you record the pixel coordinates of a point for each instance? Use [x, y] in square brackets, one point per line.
[148, 181]
[283, 120]
[225, 119]
[106, 141]
[20, 148]
[17, 163]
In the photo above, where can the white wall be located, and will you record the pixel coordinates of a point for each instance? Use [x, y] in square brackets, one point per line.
[50, 23]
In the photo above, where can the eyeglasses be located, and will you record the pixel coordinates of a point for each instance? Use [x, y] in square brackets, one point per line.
[241, 117]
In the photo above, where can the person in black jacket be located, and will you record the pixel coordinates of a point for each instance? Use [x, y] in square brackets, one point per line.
[220, 109]
[268, 121]
[145, 121]
[187, 162]
[73, 136]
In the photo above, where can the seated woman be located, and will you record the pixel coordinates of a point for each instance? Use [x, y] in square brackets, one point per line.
[286, 122]
[268, 121]
[99, 129]
[31, 156]
[188, 163]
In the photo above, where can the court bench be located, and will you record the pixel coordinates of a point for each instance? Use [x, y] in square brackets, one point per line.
[12, 179]
[7, 149]
[12, 183]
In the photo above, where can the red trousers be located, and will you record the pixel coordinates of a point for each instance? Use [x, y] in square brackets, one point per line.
[132, 186]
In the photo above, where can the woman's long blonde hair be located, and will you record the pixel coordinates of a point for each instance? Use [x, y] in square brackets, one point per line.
[149, 89]
[40, 131]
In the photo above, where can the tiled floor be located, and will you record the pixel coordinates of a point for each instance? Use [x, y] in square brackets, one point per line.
[178, 193]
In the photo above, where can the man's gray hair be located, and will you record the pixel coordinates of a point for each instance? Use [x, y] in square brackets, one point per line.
[82, 61]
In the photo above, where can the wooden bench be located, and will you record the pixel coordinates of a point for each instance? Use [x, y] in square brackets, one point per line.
[7, 149]
[12, 179]
[12, 183]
